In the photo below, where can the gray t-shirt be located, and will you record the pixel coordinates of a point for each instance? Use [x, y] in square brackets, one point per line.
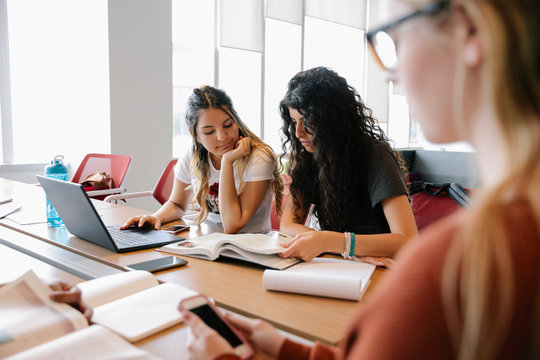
[384, 181]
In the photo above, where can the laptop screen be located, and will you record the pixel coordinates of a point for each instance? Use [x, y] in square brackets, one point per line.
[76, 210]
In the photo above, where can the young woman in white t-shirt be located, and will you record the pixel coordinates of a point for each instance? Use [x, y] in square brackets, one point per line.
[229, 172]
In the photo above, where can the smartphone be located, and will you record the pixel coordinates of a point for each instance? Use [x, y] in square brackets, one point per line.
[175, 229]
[164, 263]
[206, 310]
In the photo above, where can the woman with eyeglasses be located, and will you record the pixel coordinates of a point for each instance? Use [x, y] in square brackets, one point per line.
[469, 288]
[344, 170]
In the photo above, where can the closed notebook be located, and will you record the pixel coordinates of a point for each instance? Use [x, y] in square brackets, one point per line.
[336, 278]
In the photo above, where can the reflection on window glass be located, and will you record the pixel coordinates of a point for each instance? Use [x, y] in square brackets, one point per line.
[283, 59]
[240, 77]
[59, 78]
[322, 49]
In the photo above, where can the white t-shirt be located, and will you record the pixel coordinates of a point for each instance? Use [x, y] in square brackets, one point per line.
[259, 168]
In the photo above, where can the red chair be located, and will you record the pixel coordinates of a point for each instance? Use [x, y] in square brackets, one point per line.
[112, 164]
[427, 208]
[433, 205]
[162, 189]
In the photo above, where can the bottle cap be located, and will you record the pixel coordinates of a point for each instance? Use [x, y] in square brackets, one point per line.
[58, 159]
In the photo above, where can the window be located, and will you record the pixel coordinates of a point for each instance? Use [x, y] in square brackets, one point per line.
[283, 59]
[240, 77]
[193, 60]
[59, 78]
[259, 48]
[322, 49]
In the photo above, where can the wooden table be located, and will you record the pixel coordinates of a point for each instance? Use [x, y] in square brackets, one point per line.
[235, 285]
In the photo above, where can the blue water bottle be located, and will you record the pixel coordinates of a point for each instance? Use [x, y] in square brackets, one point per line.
[56, 170]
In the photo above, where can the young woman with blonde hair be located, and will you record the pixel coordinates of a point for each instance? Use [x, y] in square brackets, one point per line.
[230, 172]
[469, 288]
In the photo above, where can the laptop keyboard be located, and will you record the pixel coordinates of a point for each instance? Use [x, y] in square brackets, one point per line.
[126, 238]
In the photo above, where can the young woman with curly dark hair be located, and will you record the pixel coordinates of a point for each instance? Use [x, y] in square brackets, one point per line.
[343, 168]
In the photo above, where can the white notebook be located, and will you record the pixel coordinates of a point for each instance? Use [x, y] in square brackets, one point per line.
[336, 278]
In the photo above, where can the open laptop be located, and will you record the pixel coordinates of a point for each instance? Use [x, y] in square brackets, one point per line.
[81, 219]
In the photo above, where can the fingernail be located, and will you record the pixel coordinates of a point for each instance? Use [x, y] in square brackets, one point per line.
[380, 263]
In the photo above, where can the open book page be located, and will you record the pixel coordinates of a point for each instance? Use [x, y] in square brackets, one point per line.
[94, 342]
[204, 247]
[335, 278]
[28, 317]
[142, 314]
[210, 245]
[271, 261]
[107, 288]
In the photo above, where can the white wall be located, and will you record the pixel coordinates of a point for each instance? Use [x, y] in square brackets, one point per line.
[140, 56]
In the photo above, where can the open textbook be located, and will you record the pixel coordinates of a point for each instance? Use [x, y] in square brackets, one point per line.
[32, 326]
[262, 249]
[131, 304]
[342, 279]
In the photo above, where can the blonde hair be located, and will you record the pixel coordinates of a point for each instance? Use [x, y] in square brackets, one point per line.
[479, 267]
[207, 97]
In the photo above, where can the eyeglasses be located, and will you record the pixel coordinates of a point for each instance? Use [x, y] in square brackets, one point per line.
[381, 43]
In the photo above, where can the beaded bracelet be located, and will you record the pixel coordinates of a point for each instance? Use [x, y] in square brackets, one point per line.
[353, 245]
[350, 242]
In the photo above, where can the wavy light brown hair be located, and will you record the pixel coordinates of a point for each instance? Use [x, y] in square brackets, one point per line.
[206, 97]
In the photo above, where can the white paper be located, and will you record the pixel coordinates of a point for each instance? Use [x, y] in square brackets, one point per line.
[144, 313]
[327, 277]
[108, 288]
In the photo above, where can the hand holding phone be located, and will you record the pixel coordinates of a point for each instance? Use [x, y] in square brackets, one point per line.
[201, 306]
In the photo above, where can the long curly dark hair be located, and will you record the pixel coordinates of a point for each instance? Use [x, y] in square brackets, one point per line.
[333, 177]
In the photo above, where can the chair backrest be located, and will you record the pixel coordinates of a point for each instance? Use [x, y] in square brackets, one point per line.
[163, 189]
[115, 165]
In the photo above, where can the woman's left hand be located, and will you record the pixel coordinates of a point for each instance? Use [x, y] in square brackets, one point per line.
[305, 245]
[382, 261]
[71, 295]
[241, 149]
[206, 342]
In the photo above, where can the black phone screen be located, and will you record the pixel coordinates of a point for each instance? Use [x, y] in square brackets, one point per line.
[163, 263]
[208, 315]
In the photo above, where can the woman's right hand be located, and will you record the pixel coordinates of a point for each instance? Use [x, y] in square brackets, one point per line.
[141, 220]
[264, 338]
[70, 294]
